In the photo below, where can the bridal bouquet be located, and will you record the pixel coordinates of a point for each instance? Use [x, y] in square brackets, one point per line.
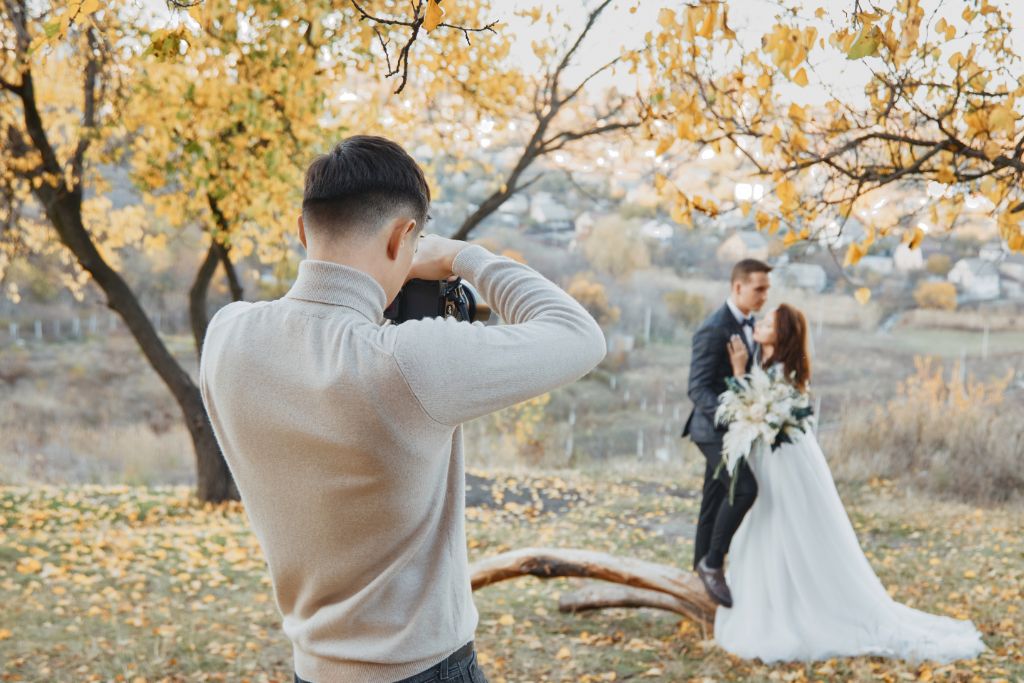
[762, 410]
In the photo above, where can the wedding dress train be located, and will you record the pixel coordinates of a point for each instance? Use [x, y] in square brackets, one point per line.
[802, 588]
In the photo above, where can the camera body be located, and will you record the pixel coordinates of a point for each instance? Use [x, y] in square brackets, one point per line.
[437, 298]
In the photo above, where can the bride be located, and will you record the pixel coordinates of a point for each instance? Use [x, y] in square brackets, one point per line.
[802, 588]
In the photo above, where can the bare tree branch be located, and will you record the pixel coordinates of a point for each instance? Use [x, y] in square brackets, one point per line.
[401, 65]
[591, 20]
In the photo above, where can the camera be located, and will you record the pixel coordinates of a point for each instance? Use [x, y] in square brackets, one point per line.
[437, 298]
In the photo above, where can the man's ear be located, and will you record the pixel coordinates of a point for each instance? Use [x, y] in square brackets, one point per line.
[401, 231]
[302, 232]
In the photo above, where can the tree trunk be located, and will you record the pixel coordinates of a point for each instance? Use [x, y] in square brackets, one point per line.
[237, 292]
[214, 479]
[222, 249]
[64, 211]
[688, 595]
[197, 312]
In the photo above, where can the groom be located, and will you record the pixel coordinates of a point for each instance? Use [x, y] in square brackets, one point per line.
[709, 367]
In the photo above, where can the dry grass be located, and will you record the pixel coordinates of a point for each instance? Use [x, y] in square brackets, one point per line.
[946, 434]
[91, 412]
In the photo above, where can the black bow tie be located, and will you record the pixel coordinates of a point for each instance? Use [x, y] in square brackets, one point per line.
[747, 322]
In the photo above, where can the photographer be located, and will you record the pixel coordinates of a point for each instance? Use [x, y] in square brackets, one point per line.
[342, 430]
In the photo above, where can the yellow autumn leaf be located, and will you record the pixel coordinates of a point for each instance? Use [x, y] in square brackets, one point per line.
[664, 146]
[1002, 119]
[506, 620]
[1015, 242]
[862, 295]
[433, 15]
[681, 215]
[916, 238]
[866, 43]
[800, 77]
[710, 20]
[786, 192]
[563, 653]
[28, 565]
[854, 254]
[236, 555]
[762, 220]
[727, 32]
[5, 633]
[87, 7]
[533, 14]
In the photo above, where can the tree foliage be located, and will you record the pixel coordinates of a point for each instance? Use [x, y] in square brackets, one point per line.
[941, 105]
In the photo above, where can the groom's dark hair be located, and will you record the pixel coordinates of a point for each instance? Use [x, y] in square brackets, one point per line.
[745, 268]
[361, 184]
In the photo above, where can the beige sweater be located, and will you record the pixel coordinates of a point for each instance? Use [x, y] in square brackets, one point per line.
[342, 433]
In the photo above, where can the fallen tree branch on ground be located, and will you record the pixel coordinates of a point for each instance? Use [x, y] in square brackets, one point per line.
[605, 596]
[684, 592]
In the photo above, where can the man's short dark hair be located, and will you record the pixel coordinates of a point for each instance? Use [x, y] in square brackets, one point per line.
[745, 268]
[359, 185]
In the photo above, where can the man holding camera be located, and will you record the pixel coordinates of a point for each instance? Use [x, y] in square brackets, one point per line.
[342, 430]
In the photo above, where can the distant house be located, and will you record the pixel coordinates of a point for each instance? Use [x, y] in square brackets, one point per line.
[977, 279]
[741, 245]
[906, 259]
[992, 251]
[1011, 272]
[552, 215]
[518, 203]
[657, 231]
[802, 275]
[584, 224]
[883, 265]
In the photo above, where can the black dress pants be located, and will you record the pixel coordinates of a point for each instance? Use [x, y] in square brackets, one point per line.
[718, 520]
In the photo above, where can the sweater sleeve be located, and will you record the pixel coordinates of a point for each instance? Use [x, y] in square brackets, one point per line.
[460, 370]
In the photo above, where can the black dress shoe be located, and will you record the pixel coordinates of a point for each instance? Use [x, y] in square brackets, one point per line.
[714, 583]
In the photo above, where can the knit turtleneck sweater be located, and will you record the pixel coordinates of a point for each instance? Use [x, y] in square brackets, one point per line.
[342, 432]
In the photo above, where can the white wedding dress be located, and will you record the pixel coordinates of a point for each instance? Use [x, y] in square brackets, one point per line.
[801, 586]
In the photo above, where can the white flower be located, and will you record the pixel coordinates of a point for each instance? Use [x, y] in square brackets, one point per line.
[761, 407]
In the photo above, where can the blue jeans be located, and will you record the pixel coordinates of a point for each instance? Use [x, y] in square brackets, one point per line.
[460, 667]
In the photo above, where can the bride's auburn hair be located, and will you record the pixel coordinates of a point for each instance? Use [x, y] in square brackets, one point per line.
[791, 345]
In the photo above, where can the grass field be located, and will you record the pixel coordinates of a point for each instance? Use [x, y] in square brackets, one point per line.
[114, 583]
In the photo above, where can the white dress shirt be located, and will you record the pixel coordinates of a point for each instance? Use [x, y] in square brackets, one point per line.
[748, 331]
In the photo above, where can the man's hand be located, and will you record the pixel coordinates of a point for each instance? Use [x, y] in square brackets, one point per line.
[434, 258]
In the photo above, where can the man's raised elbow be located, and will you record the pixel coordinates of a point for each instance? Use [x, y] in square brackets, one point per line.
[596, 346]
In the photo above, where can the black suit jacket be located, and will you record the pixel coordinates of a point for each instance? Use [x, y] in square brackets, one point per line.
[709, 368]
